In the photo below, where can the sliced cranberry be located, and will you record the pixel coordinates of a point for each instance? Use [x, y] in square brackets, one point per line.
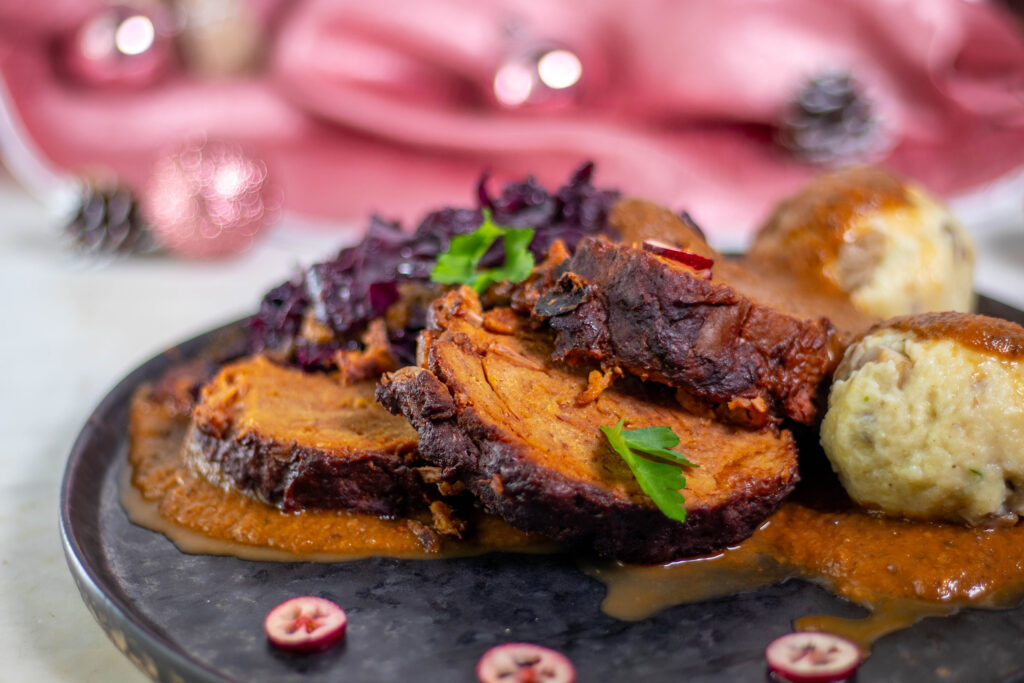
[684, 256]
[524, 663]
[305, 624]
[812, 657]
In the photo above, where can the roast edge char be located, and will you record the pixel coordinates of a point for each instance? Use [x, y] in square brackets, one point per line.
[245, 434]
[658, 321]
[578, 514]
[295, 477]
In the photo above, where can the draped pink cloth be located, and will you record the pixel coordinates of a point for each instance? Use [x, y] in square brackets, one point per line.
[387, 106]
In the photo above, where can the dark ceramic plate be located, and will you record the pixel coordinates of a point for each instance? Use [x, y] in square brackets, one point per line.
[199, 618]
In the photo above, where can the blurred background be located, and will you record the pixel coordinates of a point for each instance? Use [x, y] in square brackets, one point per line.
[168, 161]
[332, 110]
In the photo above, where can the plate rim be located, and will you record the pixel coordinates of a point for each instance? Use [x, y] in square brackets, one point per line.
[155, 654]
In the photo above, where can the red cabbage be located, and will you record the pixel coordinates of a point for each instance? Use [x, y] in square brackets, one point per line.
[361, 282]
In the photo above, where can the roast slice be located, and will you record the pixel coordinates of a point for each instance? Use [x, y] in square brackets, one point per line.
[303, 440]
[495, 411]
[766, 283]
[743, 345]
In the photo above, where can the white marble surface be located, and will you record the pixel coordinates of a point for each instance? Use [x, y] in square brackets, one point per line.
[72, 330]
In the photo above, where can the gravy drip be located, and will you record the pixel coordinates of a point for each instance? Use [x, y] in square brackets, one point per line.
[900, 570]
[162, 494]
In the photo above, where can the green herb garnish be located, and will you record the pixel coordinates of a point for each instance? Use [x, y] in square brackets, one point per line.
[659, 479]
[458, 265]
[974, 471]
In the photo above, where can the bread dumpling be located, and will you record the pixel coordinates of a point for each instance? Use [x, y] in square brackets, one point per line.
[888, 244]
[925, 419]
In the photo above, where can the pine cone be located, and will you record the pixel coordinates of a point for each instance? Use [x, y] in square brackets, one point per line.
[1016, 6]
[830, 121]
[108, 221]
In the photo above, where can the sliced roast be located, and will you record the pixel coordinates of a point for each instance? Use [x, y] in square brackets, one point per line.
[303, 440]
[499, 415]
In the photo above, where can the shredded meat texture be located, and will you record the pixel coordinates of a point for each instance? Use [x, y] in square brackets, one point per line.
[497, 414]
[370, 362]
[597, 382]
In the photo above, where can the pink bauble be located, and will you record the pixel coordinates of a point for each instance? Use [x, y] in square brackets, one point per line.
[543, 78]
[208, 200]
[123, 45]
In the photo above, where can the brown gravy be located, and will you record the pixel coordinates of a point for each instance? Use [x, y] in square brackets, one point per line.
[164, 495]
[900, 570]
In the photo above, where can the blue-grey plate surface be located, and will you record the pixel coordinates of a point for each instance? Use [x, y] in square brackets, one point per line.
[199, 618]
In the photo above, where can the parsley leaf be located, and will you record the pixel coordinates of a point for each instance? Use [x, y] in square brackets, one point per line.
[660, 480]
[459, 264]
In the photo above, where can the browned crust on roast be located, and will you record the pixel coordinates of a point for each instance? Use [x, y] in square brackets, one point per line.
[657, 320]
[569, 485]
[284, 459]
[782, 285]
[296, 478]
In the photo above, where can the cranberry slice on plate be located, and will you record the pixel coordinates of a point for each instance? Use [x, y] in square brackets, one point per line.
[524, 663]
[702, 264]
[812, 657]
[305, 624]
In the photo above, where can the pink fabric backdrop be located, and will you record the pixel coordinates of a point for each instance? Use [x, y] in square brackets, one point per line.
[386, 106]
